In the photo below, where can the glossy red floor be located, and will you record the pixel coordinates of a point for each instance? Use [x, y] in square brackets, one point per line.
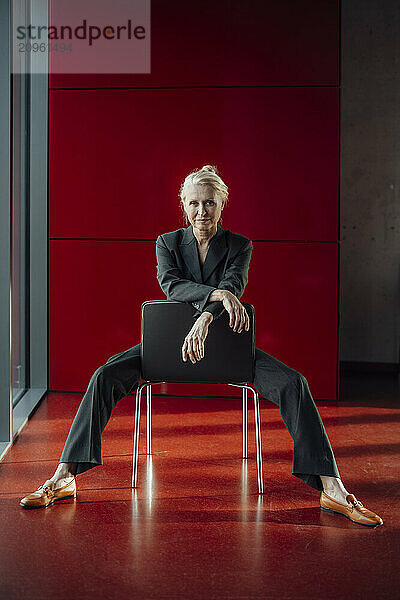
[196, 526]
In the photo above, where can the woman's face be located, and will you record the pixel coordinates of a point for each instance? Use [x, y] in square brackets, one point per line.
[201, 208]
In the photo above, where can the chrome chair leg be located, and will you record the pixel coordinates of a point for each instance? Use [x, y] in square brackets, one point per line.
[258, 442]
[260, 477]
[244, 422]
[148, 420]
[136, 433]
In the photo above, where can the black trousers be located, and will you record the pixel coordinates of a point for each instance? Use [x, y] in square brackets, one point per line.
[274, 381]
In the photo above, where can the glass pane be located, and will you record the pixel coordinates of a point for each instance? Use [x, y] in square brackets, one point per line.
[20, 234]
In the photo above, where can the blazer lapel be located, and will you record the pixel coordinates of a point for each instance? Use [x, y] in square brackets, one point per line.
[190, 255]
[216, 252]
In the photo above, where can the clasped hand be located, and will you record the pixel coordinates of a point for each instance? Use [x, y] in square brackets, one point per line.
[193, 345]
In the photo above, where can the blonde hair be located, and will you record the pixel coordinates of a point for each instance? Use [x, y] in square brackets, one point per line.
[207, 175]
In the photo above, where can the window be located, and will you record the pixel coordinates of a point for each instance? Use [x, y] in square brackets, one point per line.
[23, 222]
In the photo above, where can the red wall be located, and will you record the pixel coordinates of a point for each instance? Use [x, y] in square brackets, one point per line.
[252, 89]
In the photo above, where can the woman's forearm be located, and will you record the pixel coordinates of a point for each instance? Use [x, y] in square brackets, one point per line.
[217, 295]
[213, 297]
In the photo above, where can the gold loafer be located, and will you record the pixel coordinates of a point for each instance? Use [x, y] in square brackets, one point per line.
[44, 495]
[353, 510]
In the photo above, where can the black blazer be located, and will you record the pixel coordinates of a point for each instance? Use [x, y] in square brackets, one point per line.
[182, 278]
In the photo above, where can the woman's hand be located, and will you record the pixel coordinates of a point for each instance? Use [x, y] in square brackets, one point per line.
[238, 317]
[193, 345]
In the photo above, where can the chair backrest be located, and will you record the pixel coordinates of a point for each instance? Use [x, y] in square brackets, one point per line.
[228, 355]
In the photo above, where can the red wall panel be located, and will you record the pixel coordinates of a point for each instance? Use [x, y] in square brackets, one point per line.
[293, 287]
[97, 288]
[118, 158]
[231, 42]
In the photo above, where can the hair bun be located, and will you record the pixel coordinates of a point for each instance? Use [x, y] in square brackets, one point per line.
[210, 168]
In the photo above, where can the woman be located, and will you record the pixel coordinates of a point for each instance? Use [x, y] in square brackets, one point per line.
[203, 198]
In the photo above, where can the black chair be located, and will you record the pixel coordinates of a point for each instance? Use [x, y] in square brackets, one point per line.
[229, 359]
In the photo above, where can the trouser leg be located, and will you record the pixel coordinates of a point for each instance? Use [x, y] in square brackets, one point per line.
[288, 389]
[111, 382]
